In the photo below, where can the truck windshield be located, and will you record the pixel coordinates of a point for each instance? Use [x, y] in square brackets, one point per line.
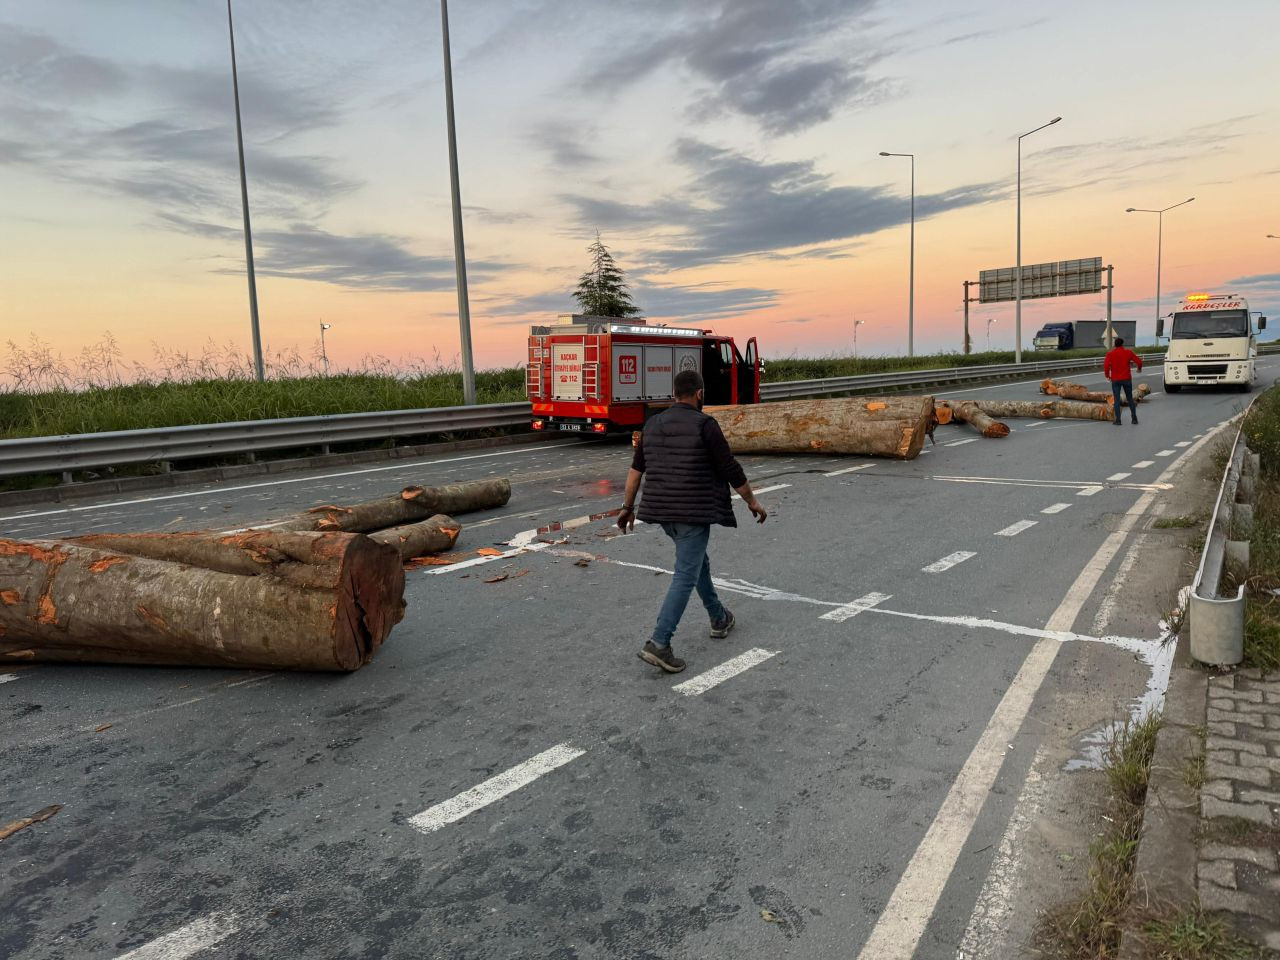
[1210, 323]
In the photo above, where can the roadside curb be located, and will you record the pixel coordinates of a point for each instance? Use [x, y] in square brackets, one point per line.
[1164, 870]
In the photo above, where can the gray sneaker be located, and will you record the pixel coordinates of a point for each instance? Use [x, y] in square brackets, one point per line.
[720, 628]
[661, 657]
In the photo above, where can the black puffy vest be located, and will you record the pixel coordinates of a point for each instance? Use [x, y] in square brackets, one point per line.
[681, 484]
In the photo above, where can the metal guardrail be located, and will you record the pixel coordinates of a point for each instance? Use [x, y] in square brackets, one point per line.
[89, 450]
[1217, 622]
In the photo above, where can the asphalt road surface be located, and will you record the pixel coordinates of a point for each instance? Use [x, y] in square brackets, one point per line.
[507, 779]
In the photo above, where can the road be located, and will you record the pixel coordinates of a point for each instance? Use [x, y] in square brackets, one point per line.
[508, 779]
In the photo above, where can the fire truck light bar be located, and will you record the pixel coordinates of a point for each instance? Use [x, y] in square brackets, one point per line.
[1197, 296]
[660, 331]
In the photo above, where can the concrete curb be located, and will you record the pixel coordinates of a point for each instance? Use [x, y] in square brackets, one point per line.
[1164, 871]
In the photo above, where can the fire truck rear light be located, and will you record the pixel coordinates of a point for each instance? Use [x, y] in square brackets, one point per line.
[538, 424]
[599, 427]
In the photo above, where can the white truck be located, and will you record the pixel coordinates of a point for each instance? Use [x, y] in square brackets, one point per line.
[1211, 340]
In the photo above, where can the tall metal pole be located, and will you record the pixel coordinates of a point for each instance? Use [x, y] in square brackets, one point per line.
[459, 251]
[1111, 332]
[966, 316]
[911, 281]
[1017, 280]
[324, 354]
[244, 204]
[1159, 248]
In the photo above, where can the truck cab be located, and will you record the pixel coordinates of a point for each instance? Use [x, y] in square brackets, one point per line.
[1055, 336]
[1211, 341]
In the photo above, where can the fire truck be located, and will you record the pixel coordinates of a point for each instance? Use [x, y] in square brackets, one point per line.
[603, 375]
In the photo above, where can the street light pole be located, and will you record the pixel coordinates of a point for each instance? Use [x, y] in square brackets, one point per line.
[856, 325]
[1159, 248]
[258, 370]
[990, 321]
[459, 251]
[911, 279]
[1017, 280]
[324, 354]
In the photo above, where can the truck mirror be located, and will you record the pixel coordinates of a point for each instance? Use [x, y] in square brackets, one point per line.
[1262, 323]
[1159, 327]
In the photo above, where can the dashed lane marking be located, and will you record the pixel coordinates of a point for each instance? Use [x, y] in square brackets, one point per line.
[1164, 453]
[1016, 528]
[6, 677]
[189, 940]
[1056, 508]
[481, 560]
[776, 486]
[1143, 464]
[960, 443]
[1088, 491]
[1183, 443]
[494, 789]
[949, 561]
[840, 473]
[850, 610]
[1116, 477]
[726, 671]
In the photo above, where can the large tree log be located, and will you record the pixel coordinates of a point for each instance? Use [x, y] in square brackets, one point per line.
[65, 600]
[1044, 409]
[410, 505]
[1077, 391]
[871, 426]
[411, 540]
[969, 412]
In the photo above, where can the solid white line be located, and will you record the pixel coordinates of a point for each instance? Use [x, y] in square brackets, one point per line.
[960, 443]
[275, 483]
[1183, 443]
[717, 675]
[902, 923]
[949, 561]
[849, 610]
[1164, 453]
[1046, 484]
[495, 788]
[1119, 476]
[776, 486]
[1016, 528]
[481, 560]
[1056, 508]
[839, 473]
[187, 941]
[1088, 491]
[1143, 464]
[6, 677]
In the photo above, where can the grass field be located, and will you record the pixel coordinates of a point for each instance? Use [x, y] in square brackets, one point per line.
[46, 396]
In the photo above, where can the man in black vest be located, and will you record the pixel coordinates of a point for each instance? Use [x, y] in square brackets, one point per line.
[690, 470]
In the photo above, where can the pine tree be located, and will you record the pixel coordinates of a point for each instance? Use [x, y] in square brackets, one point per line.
[602, 290]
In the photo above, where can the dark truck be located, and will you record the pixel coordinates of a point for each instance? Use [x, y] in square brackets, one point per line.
[1082, 334]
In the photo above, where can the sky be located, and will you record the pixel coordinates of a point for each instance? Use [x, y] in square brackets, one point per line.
[726, 151]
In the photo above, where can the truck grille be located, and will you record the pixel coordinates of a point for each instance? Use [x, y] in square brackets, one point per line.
[1207, 369]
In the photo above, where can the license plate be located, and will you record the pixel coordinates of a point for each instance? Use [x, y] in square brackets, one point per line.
[570, 426]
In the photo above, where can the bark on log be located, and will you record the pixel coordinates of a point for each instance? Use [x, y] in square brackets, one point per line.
[67, 600]
[410, 505]
[872, 426]
[1044, 409]
[1077, 391]
[969, 412]
[411, 540]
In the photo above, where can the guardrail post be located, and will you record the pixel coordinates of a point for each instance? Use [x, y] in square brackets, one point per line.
[1217, 622]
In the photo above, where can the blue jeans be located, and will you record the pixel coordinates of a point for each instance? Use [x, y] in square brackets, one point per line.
[1127, 387]
[693, 569]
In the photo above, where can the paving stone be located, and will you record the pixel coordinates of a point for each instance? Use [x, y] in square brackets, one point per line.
[1221, 872]
[1272, 697]
[1213, 897]
[1236, 716]
[1249, 673]
[1272, 939]
[1258, 776]
[1258, 856]
[1257, 812]
[1273, 722]
[1253, 696]
[1264, 708]
[1228, 743]
[1225, 756]
[1260, 796]
[1221, 789]
[1254, 760]
[1221, 728]
[1222, 703]
[1225, 681]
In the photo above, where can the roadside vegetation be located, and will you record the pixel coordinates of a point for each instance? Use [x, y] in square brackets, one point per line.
[1262, 622]
[45, 394]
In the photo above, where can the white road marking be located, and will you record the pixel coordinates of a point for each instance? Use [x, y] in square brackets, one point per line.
[1164, 453]
[849, 610]
[6, 677]
[483, 559]
[960, 443]
[1016, 528]
[1056, 508]
[1035, 423]
[1183, 443]
[1046, 484]
[840, 473]
[1088, 491]
[494, 789]
[218, 491]
[189, 940]
[949, 561]
[902, 923]
[1116, 477]
[727, 670]
[1143, 464]
[776, 486]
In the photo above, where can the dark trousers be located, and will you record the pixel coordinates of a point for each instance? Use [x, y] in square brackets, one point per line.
[1127, 386]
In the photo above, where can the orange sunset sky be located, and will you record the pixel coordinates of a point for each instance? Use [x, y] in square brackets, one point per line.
[726, 151]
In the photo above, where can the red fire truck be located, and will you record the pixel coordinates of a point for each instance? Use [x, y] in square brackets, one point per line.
[604, 375]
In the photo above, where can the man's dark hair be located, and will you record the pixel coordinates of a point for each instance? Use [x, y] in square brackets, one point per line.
[687, 383]
[1119, 341]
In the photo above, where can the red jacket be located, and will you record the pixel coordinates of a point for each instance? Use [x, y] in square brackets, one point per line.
[1116, 365]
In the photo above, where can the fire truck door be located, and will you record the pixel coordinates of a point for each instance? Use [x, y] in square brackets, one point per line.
[627, 359]
[566, 371]
[657, 373]
[749, 375]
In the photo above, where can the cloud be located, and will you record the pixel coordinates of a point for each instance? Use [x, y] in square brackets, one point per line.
[734, 206]
[1256, 279]
[692, 302]
[993, 33]
[565, 142]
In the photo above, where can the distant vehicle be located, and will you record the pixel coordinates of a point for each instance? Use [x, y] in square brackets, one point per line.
[1211, 340]
[602, 375]
[1082, 334]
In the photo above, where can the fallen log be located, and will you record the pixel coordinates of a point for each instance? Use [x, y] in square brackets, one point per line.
[77, 601]
[1043, 409]
[968, 411]
[1077, 391]
[410, 505]
[871, 426]
[411, 540]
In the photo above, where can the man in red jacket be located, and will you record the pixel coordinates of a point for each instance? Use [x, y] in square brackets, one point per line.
[1116, 369]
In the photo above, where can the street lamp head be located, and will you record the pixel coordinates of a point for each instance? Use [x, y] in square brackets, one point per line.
[326, 326]
[885, 153]
[1130, 209]
[1054, 120]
